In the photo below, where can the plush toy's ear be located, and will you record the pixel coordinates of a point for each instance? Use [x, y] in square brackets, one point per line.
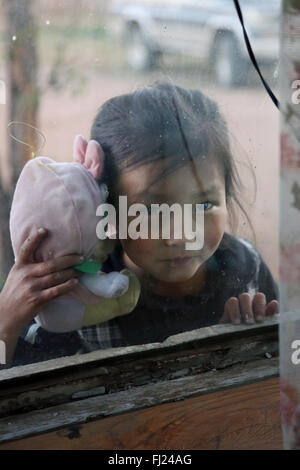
[89, 154]
[79, 149]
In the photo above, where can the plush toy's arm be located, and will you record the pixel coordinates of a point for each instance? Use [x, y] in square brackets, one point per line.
[111, 308]
[105, 285]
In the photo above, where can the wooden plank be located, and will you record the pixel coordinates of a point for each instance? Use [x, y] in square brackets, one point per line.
[244, 417]
[112, 376]
[182, 340]
[81, 411]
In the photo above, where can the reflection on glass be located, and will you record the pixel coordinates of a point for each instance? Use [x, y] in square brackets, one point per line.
[176, 127]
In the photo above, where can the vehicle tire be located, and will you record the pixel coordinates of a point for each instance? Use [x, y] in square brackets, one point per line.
[228, 67]
[140, 55]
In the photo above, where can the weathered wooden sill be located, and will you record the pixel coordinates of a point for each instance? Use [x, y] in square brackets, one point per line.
[49, 395]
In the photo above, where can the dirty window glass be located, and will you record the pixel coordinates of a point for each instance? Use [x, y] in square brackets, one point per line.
[185, 155]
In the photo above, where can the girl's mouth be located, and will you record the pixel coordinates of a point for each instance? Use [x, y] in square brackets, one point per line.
[178, 261]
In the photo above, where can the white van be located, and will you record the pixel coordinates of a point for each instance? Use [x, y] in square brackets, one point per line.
[208, 30]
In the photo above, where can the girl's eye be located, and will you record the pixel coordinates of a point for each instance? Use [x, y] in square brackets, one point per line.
[207, 205]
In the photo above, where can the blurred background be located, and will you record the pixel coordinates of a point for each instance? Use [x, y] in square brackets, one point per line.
[60, 60]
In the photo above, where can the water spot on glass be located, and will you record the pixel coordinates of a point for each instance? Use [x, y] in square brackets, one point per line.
[2, 92]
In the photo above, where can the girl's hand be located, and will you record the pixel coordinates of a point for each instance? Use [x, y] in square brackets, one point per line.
[242, 309]
[30, 285]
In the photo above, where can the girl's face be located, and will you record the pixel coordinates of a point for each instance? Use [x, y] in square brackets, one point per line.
[157, 257]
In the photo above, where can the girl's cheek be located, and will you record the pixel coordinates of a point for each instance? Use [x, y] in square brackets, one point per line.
[213, 230]
[138, 249]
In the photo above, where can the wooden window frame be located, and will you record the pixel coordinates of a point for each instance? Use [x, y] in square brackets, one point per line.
[45, 396]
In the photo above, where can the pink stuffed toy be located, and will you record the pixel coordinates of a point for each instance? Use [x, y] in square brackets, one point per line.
[63, 198]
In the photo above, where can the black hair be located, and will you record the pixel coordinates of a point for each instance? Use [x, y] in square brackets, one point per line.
[169, 122]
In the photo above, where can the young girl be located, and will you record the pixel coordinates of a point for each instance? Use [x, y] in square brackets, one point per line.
[166, 144]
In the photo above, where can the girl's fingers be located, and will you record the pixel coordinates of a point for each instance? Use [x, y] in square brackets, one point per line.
[258, 306]
[57, 278]
[26, 253]
[272, 308]
[246, 308]
[54, 292]
[231, 311]
[56, 264]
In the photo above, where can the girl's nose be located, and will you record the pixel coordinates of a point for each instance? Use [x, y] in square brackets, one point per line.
[179, 232]
[173, 241]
